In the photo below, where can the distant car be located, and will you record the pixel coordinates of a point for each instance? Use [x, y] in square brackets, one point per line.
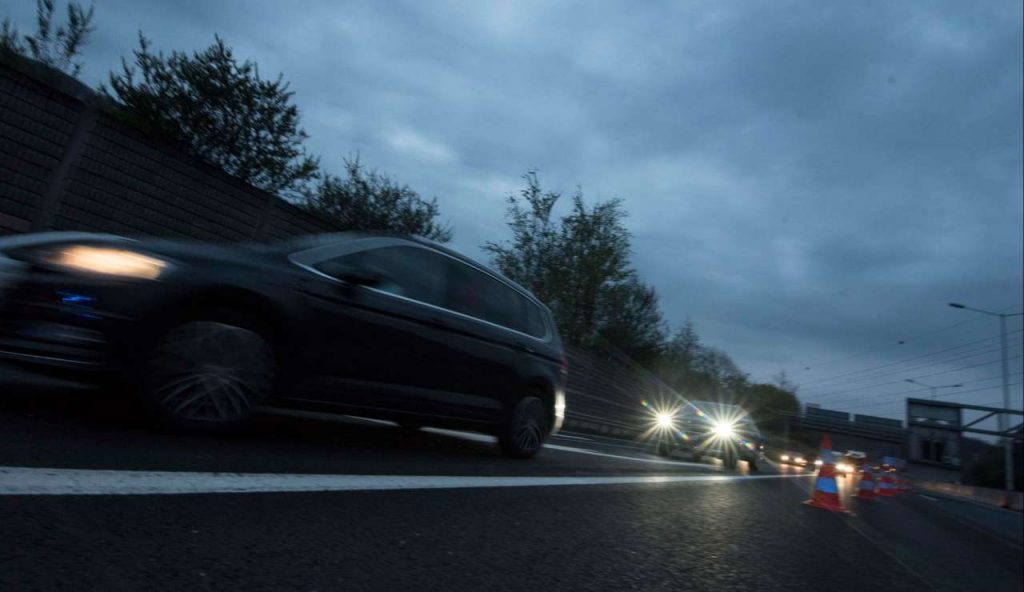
[392, 327]
[850, 462]
[702, 429]
[794, 459]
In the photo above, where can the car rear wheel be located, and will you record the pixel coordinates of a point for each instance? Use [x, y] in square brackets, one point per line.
[208, 375]
[525, 429]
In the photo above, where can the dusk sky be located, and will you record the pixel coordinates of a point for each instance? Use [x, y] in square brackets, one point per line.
[809, 182]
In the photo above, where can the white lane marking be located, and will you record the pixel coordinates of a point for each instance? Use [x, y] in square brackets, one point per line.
[472, 436]
[38, 481]
[568, 437]
[928, 497]
[653, 461]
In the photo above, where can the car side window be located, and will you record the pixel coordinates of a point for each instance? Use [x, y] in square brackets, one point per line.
[410, 272]
[479, 295]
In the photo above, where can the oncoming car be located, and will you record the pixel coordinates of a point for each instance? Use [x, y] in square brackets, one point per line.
[391, 327]
[702, 429]
[794, 459]
[850, 462]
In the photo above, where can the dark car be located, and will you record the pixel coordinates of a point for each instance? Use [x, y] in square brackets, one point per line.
[392, 327]
[702, 429]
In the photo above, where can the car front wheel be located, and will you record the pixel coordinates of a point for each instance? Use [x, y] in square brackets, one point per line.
[207, 375]
[526, 428]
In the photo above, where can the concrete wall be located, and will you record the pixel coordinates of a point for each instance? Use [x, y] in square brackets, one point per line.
[68, 162]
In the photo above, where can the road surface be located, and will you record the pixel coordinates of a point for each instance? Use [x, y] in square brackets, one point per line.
[309, 504]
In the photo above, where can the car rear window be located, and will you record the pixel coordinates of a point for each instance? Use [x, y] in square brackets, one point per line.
[477, 294]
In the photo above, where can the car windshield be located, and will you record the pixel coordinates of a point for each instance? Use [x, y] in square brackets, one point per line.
[511, 295]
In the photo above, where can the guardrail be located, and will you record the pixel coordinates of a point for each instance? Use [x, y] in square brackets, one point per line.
[978, 495]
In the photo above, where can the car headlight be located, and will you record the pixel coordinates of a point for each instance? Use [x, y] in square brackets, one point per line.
[723, 429]
[665, 420]
[800, 460]
[817, 462]
[107, 261]
[785, 457]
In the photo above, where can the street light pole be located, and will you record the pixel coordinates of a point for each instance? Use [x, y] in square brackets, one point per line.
[1003, 427]
[932, 388]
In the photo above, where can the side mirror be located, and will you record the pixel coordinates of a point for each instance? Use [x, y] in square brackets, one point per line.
[368, 276]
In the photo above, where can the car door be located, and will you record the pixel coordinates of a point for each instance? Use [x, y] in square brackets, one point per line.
[489, 347]
[379, 341]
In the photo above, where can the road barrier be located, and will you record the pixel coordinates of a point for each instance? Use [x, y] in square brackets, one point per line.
[979, 495]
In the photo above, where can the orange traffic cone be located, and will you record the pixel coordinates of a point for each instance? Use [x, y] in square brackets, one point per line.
[826, 490]
[866, 487]
[886, 488]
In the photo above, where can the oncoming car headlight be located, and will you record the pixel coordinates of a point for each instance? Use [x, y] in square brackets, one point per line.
[785, 457]
[107, 261]
[723, 429]
[665, 420]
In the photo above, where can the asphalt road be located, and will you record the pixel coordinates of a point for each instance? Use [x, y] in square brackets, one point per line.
[347, 504]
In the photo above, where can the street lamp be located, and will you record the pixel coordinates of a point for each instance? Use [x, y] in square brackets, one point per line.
[934, 388]
[1003, 427]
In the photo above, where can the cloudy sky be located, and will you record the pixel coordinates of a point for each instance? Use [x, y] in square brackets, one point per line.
[809, 182]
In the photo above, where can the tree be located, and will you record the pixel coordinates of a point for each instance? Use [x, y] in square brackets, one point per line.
[677, 363]
[632, 319]
[368, 200]
[594, 259]
[766, 403]
[222, 110]
[531, 258]
[56, 48]
[579, 264]
[782, 381]
[722, 378]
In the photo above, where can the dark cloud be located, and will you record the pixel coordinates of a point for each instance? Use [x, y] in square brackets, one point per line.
[809, 183]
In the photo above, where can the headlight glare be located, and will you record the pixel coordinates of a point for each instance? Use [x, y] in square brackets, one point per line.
[107, 261]
[723, 429]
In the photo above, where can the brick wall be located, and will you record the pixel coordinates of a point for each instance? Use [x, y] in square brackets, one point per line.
[68, 163]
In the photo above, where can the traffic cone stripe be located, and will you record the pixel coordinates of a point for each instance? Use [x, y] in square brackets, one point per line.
[827, 485]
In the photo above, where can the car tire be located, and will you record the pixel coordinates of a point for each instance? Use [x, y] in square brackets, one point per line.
[207, 376]
[525, 429]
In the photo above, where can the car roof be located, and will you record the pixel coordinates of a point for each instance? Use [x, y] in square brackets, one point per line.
[310, 241]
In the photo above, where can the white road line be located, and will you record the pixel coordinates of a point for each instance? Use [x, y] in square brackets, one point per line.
[569, 437]
[487, 438]
[653, 461]
[928, 497]
[39, 481]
